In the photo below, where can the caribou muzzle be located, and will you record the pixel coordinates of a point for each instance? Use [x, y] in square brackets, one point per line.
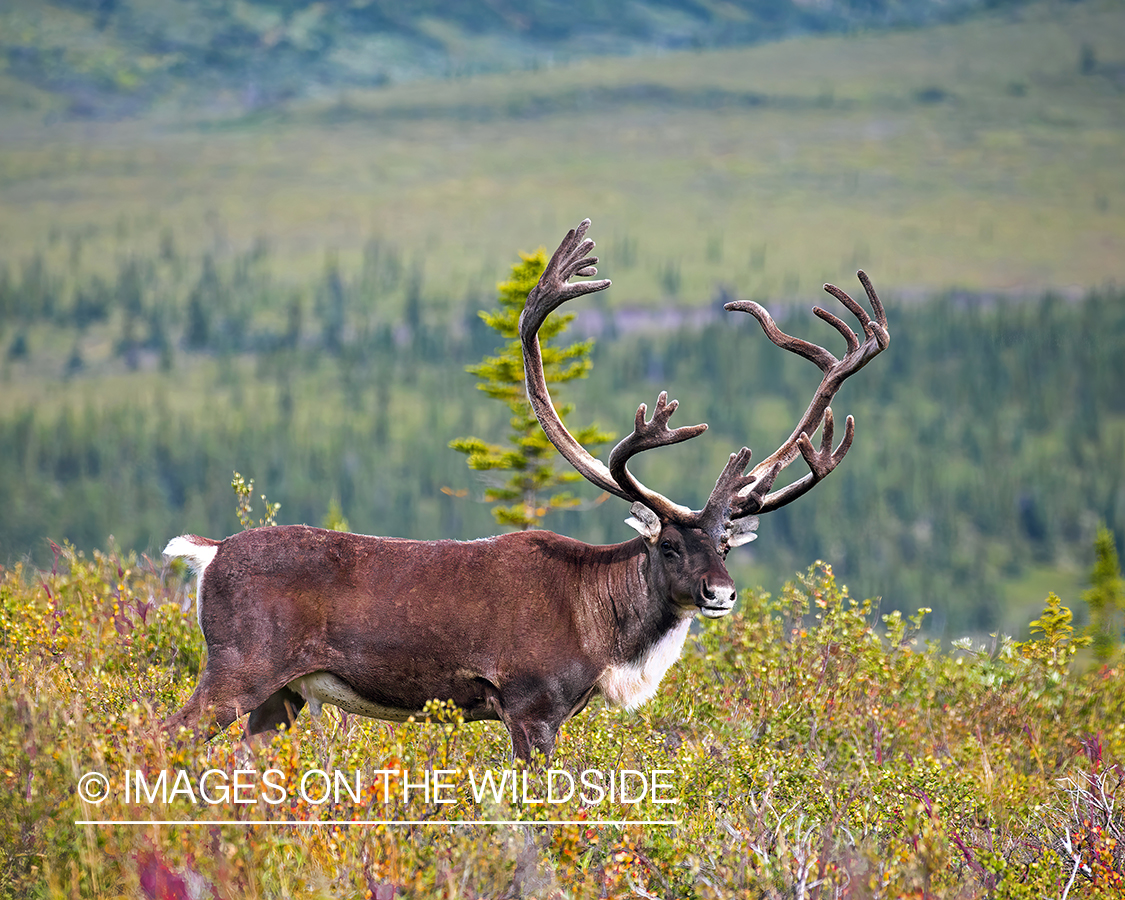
[716, 599]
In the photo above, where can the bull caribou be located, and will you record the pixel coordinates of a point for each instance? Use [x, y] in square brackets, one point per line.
[525, 627]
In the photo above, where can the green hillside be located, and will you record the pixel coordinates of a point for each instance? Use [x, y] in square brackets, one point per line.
[112, 58]
[983, 155]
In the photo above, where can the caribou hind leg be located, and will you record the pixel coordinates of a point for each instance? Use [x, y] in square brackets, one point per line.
[206, 713]
[280, 709]
[226, 691]
[230, 685]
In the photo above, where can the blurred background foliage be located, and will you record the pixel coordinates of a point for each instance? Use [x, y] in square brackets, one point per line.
[990, 435]
[257, 237]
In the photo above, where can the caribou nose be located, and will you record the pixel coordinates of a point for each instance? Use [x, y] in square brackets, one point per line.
[716, 599]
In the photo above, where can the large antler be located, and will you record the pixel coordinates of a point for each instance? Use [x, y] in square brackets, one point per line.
[822, 461]
[554, 289]
[736, 497]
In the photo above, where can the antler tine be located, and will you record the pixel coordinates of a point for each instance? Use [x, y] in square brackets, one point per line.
[647, 436]
[554, 287]
[820, 463]
[824, 460]
[840, 325]
[879, 333]
[809, 351]
[876, 303]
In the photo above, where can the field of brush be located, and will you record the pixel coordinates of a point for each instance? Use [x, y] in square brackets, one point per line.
[798, 750]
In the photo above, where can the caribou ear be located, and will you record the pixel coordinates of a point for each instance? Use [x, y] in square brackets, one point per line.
[742, 531]
[645, 521]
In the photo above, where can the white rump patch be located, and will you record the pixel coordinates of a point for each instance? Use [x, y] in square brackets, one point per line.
[634, 683]
[188, 546]
[319, 688]
[198, 557]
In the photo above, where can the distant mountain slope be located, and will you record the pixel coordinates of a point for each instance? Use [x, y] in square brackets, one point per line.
[117, 57]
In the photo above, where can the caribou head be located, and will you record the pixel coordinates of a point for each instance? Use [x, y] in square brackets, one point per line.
[730, 516]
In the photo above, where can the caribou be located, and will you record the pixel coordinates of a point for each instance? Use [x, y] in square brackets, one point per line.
[525, 627]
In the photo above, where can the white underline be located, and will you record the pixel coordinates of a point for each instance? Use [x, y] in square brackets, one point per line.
[370, 822]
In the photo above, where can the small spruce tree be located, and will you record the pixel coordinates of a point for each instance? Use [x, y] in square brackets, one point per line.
[1106, 596]
[532, 490]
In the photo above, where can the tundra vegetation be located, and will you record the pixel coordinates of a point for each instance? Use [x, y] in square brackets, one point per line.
[815, 749]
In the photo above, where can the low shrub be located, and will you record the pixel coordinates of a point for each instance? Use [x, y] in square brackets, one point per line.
[801, 748]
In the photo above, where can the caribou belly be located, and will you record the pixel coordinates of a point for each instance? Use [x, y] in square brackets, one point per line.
[319, 688]
[634, 683]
